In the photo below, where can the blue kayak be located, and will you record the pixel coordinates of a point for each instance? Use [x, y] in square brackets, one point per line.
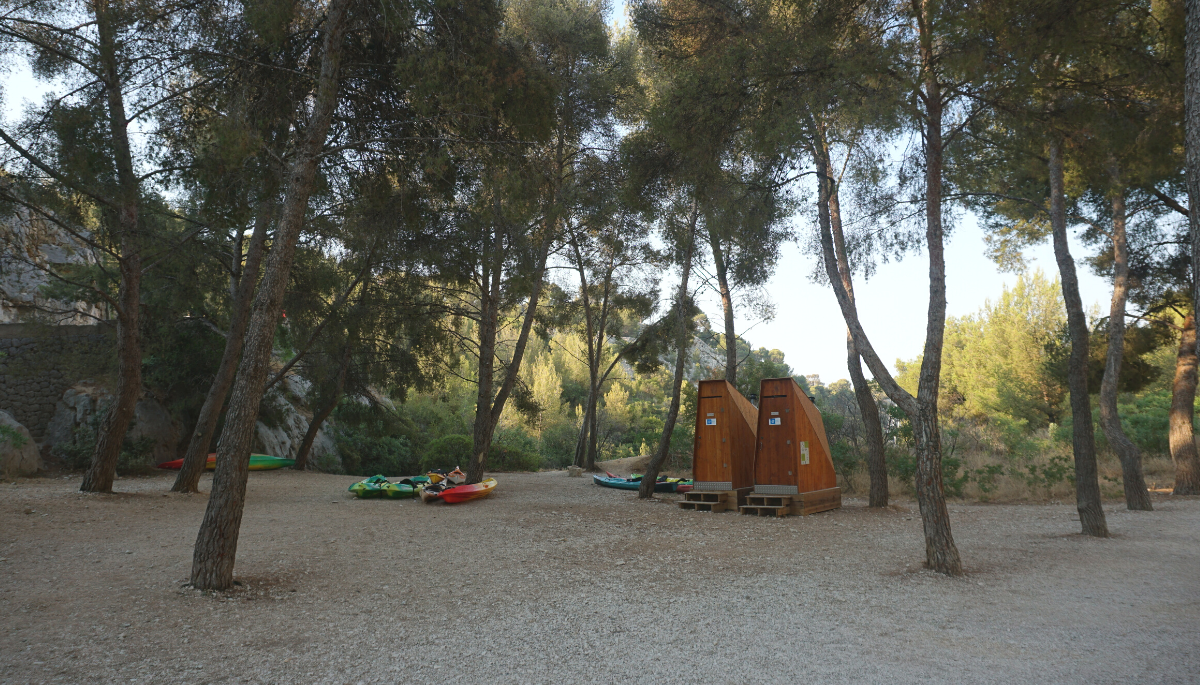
[630, 483]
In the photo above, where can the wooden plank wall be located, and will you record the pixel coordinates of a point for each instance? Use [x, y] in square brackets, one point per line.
[779, 458]
[724, 452]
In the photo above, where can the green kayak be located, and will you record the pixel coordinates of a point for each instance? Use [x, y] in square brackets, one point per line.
[381, 487]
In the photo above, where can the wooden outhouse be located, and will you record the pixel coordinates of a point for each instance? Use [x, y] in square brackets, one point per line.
[792, 456]
[723, 451]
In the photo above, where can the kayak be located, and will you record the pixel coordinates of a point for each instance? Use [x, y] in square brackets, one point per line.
[466, 493]
[431, 492]
[631, 484]
[258, 462]
[378, 486]
[454, 477]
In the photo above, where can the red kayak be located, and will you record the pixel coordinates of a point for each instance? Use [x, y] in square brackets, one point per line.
[465, 493]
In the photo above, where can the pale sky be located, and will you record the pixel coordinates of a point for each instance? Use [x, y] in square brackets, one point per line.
[808, 326]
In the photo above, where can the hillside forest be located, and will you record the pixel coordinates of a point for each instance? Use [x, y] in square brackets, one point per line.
[478, 233]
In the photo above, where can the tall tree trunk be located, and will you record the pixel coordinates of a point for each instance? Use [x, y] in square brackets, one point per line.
[99, 476]
[196, 457]
[585, 425]
[319, 417]
[594, 434]
[941, 554]
[585, 456]
[1136, 496]
[216, 543]
[867, 408]
[682, 343]
[1191, 130]
[1183, 400]
[731, 360]
[488, 411]
[489, 324]
[1087, 483]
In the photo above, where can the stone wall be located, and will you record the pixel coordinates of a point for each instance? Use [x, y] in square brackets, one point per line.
[38, 363]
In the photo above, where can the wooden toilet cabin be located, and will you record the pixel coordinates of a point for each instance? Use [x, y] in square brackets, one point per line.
[723, 450]
[792, 456]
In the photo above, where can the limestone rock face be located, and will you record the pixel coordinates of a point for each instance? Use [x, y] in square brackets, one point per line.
[83, 406]
[14, 460]
[284, 421]
[152, 422]
[32, 245]
[78, 406]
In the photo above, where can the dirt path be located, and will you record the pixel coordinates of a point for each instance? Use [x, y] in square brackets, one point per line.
[554, 580]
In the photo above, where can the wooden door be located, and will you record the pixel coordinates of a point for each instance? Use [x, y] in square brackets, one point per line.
[711, 459]
[775, 460]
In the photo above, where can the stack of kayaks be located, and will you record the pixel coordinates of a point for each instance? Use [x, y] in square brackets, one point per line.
[258, 462]
[379, 486]
[634, 482]
[433, 487]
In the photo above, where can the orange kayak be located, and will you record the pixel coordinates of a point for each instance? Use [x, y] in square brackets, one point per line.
[465, 493]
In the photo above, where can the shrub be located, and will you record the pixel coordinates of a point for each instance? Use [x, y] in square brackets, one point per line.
[447, 452]
[558, 445]
[363, 455]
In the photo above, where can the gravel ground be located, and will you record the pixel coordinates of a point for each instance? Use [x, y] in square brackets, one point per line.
[554, 580]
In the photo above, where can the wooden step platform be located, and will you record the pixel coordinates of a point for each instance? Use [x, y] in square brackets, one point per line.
[714, 507]
[767, 509]
[713, 500]
[802, 504]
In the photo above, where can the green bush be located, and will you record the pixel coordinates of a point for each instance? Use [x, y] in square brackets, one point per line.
[903, 465]
[558, 445]
[846, 459]
[1146, 420]
[364, 455]
[503, 458]
[447, 452]
[1058, 470]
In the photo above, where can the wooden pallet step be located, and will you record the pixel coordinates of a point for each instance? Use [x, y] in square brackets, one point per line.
[768, 500]
[818, 501]
[766, 510]
[694, 496]
[714, 507]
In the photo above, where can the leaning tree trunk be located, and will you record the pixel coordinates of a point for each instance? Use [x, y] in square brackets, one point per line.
[1191, 137]
[99, 476]
[867, 408]
[320, 416]
[1136, 495]
[682, 343]
[1087, 483]
[731, 360]
[1183, 399]
[216, 543]
[196, 457]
